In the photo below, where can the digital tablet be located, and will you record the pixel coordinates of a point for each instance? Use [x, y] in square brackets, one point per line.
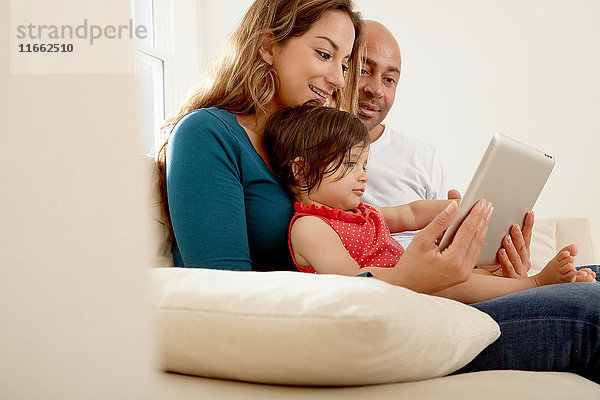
[511, 175]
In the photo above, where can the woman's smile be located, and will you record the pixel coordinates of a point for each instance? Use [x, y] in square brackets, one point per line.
[322, 94]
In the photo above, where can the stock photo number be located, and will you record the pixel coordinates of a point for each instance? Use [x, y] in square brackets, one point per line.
[46, 48]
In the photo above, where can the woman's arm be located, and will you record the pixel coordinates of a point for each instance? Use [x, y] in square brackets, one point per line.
[422, 268]
[425, 268]
[205, 195]
[412, 216]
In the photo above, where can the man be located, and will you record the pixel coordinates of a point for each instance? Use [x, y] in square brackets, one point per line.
[401, 168]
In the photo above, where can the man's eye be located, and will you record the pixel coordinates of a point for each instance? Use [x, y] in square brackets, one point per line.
[390, 81]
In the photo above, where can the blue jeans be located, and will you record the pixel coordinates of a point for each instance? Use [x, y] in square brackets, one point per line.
[549, 328]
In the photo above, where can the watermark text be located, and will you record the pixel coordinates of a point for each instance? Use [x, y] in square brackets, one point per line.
[85, 30]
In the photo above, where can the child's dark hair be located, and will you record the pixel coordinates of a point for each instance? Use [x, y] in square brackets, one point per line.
[319, 135]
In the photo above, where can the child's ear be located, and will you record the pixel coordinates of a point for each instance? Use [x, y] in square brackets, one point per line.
[298, 169]
[267, 47]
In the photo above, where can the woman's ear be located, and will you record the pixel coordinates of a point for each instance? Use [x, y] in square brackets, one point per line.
[266, 48]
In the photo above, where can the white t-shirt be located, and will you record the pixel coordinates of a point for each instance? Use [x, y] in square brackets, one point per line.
[403, 169]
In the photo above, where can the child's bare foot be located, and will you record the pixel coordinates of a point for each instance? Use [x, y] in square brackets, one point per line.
[561, 269]
[585, 275]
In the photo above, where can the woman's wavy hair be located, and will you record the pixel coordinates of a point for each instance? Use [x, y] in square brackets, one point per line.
[307, 143]
[241, 82]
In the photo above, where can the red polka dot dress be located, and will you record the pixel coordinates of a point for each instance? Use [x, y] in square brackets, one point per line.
[363, 232]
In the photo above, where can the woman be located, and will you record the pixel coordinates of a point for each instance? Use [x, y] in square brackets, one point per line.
[283, 53]
[227, 211]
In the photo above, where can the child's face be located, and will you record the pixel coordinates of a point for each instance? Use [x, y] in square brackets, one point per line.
[344, 191]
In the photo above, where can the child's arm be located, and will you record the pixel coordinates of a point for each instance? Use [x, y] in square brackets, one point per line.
[412, 216]
[315, 244]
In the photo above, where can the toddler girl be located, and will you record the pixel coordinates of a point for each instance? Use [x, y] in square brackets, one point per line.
[320, 153]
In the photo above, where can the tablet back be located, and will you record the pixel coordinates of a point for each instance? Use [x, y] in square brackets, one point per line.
[511, 175]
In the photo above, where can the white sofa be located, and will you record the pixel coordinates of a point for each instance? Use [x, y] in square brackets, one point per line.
[198, 360]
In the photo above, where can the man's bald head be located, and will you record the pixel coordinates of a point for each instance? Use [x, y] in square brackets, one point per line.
[379, 76]
[379, 35]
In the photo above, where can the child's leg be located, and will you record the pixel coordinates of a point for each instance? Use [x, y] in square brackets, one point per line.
[560, 269]
[595, 269]
[495, 270]
[481, 287]
[586, 275]
[563, 262]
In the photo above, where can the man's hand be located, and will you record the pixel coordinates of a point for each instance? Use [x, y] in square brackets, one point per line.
[514, 256]
[454, 194]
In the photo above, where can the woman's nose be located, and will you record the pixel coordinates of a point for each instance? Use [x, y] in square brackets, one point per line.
[336, 77]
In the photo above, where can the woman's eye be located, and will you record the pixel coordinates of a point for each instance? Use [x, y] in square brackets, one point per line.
[349, 164]
[364, 71]
[323, 54]
[344, 68]
[365, 169]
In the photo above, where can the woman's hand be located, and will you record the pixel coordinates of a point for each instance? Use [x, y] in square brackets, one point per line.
[514, 256]
[425, 268]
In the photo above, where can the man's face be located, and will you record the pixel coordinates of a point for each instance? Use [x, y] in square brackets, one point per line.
[379, 76]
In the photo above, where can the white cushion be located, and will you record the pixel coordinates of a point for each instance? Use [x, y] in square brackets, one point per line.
[302, 329]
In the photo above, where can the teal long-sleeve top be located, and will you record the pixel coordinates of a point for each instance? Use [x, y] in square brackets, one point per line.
[226, 207]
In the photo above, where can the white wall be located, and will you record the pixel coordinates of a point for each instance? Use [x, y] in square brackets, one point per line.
[526, 68]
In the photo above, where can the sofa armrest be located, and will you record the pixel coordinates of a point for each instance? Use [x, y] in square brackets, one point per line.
[583, 233]
[552, 234]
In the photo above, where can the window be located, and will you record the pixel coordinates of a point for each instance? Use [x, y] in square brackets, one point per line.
[166, 61]
[149, 61]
